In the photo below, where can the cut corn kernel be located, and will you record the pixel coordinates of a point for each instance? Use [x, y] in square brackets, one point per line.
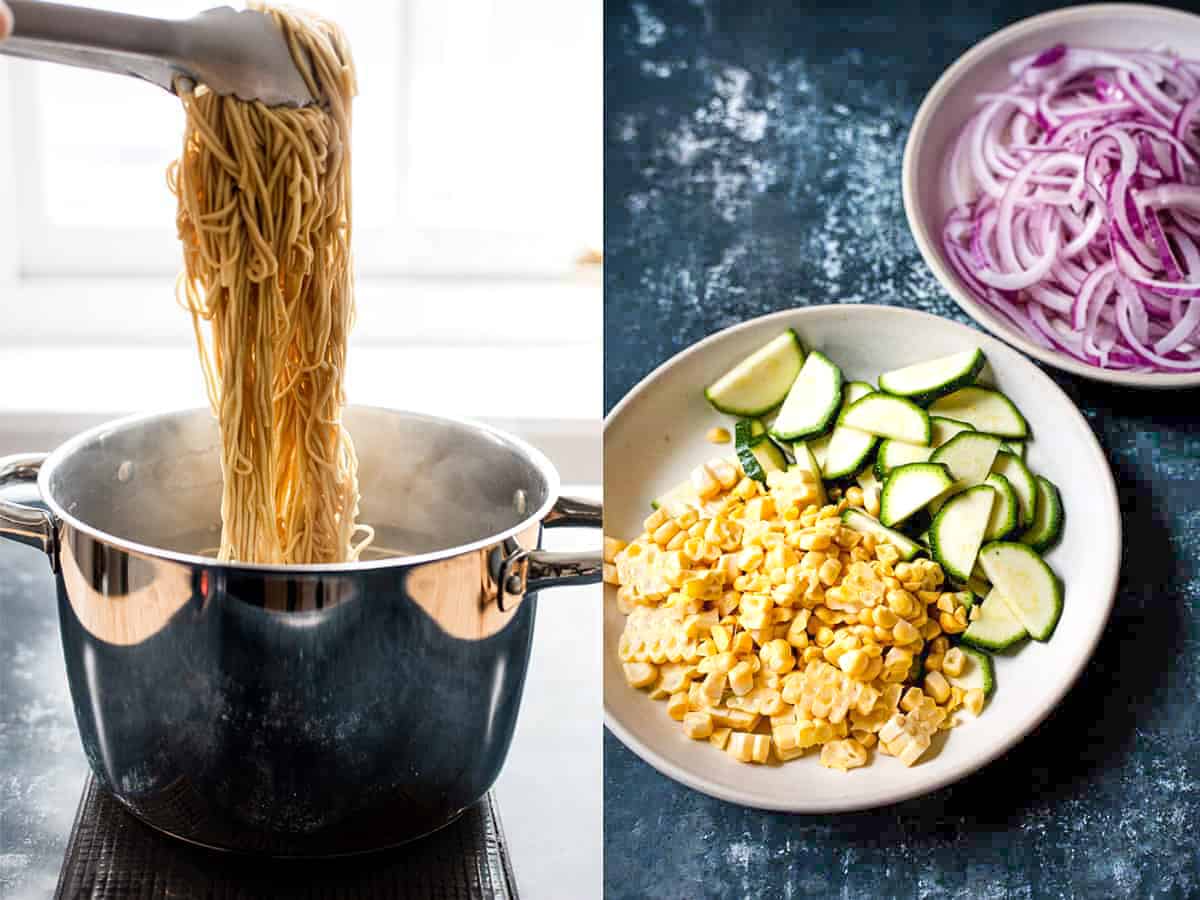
[720, 737]
[749, 748]
[640, 675]
[844, 754]
[954, 662]
[754, 602]
[937, 687]
[718, 436]
[698, 725]
[973, 700]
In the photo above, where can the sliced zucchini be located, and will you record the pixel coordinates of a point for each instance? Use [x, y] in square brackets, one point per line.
[978, 586]
[892, 454]
[1048, 517]
[806, 460]
[1004, 511]
[1023, 484]
[1027, 584]
[969, 456]
[934, 377]
[944, 429]
[994, 626]
[757, 453]
[819, 447]
[984, 409]
[908, 488]
[759, 382]
[889, 417]
[812, 402]
[957, 531]
[1017, 448]
[857, 520]
[848, 448]
[978, 672]
[855, 391]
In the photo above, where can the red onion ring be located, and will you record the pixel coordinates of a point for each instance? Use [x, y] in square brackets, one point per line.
[1077, 205]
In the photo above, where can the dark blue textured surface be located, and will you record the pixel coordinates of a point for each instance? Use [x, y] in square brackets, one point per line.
[753, 164]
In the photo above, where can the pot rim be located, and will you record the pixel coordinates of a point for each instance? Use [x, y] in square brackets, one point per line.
[65, 450]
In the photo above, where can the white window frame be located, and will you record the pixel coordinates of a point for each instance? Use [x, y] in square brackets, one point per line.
[403, 250]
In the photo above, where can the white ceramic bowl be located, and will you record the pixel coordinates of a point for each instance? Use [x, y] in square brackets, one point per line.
[951, 102]
[656, 435]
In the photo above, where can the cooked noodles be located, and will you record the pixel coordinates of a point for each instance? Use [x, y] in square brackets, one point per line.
[264, 217]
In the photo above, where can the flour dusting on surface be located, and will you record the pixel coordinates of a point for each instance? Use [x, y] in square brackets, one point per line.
[804, 186]
[650, 28]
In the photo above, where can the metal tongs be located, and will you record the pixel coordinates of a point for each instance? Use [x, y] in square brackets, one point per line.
[231, 52]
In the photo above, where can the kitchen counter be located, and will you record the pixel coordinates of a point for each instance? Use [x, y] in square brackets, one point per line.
[553, 835]
[753, 164]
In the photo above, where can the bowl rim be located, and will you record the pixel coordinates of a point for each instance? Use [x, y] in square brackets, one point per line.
[931, 249]
[794, 317]
[515, 444]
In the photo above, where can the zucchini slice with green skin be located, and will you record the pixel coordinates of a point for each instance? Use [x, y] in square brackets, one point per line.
[806, 460]
[944, 429]
[819, 447]
[969, 456]
[856, 390]
[984, 409]
[747, 433]
[978, 586]
[813, 400]
[1003, 520]
[1017, 448]
[1022, 482]
[1030, 588]
[957, 532]
[978, 671]
[889, 417]
[893, 454]
[757, 453]
[934, 377]
[995, 627]
[760, 382]
[857, 520]
[1048, 517]
[909, 488]
[848, 448]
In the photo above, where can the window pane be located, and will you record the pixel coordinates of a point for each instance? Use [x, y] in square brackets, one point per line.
[106, 140]
[506, 116]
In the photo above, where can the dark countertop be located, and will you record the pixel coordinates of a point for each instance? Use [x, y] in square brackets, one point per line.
[44, 768]
[752, 164]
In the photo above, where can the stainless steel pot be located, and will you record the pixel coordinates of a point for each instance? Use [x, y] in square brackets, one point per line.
[303, 710]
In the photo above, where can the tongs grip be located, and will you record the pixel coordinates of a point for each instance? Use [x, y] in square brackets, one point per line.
[241, 53]
[96, 39]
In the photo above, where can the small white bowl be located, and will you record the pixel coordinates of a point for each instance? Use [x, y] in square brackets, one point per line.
[951, 102]
[656, 435]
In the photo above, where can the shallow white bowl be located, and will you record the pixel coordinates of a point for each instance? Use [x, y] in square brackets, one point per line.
[951, 102]
[655, 436]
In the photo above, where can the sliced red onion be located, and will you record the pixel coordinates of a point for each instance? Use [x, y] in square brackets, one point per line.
[1077, 216]
[1049, 56]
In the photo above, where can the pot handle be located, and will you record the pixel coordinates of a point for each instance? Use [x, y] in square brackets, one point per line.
[527, 571]
[27, 524]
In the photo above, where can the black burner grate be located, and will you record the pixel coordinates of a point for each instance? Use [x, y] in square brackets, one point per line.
[113, 856]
